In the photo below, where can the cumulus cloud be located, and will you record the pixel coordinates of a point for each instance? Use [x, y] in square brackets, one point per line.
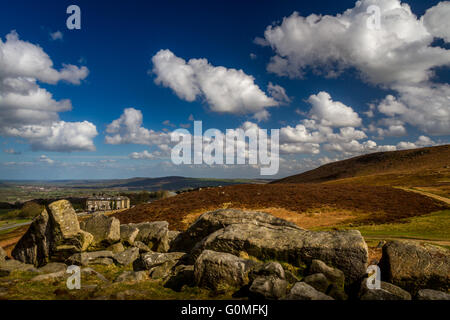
[30, 112]
[422, 141]
[128, 129]
[332, 113]
[224, 89]
[399, 52]
[437, 20]
[400, 55]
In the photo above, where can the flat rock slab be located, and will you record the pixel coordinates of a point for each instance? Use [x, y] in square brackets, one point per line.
[210, 222]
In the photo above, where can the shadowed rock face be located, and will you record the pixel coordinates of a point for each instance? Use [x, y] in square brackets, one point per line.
[54, 232]
[413, 266]
[210, 222]
[345, 250]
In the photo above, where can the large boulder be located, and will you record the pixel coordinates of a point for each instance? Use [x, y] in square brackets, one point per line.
[221, 271]
[153, 234]
[106, 230]
[428, 294]
[414, 266]
[345, 250]
[54, 234]
[210, 222]
[303, 291]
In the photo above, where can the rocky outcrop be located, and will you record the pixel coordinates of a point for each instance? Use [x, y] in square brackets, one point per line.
[126, 257]
[220, 271]
[269, 269]
[154, 234]
[387, 291]
[415, 266]
[106, 230]
[303, 291]
[345, 250]
[143, 248]
[210, 222]
[149, 260]
[271, 288]
[128, 233]
[428, 294]
[53, 233]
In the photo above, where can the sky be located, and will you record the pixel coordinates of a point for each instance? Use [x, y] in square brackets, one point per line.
[337, 78]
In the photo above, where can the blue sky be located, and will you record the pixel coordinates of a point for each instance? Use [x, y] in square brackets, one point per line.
[334, 87]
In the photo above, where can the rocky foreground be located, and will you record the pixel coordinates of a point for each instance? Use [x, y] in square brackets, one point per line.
[226, 253]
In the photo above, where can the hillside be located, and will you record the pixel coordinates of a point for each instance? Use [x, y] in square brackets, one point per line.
[138, 183]
[424, 167]
[306, 204]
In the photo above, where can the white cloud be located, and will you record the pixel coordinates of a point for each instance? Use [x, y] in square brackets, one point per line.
[422, 141]
[147, 155]
[30, 112]
[332, 113]
[128, 129]
[398, 56]
[278, 93]
[57, 35]
[21, 59]
[225, 90]
[399, 52]
[437, 20]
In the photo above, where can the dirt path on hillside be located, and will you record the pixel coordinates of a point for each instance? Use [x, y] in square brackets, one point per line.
[428, 194]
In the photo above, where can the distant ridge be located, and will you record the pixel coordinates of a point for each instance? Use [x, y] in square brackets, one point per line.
[424, 166]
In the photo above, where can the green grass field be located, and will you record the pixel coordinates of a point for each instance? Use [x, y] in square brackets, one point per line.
[434, 227]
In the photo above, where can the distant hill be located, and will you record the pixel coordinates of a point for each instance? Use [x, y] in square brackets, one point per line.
[416, 167]
[173, 183]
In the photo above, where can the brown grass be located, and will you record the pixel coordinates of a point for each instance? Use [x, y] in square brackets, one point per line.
[308, 204]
